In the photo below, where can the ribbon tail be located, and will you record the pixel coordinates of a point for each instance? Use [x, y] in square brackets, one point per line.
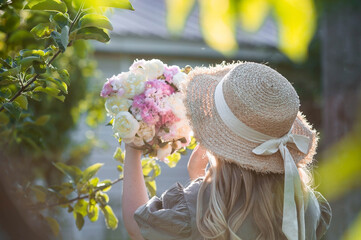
[293, 211]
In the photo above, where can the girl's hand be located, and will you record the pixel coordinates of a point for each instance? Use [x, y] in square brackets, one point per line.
[197, 163]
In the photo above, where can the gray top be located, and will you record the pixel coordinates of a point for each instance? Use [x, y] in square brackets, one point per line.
[173, 216]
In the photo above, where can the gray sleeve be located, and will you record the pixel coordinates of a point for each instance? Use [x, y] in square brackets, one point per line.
[165, 218]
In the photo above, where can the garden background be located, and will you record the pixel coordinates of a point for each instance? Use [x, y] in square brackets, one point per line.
[316, 45]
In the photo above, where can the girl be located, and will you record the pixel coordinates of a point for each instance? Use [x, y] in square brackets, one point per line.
[246, 119]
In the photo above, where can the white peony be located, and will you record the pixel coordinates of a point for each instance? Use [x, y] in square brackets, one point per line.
[175, 102]
[134, 84]
[179, 79]
[164, 152]
[154, 68]
[125, 125]
[145, 133]
[115, 104]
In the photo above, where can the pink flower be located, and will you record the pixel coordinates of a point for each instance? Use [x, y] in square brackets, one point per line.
[169, 72]
[107, 90]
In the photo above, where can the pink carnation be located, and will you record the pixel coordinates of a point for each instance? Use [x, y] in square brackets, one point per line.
[169, 72]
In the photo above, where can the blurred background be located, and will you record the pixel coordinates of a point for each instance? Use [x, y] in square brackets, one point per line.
[316, 45]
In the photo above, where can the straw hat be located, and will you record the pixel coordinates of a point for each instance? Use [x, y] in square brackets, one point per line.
[259, 97]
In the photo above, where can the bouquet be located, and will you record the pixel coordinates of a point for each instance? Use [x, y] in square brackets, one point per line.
[146, 107]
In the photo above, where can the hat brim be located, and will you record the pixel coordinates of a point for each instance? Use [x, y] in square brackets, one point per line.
[210, 131]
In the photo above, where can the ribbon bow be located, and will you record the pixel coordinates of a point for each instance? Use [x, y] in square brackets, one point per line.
[293, 195]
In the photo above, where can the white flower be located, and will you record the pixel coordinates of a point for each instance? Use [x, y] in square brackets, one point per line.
[164, 152]
[138, 66]
[175, 102]
[154, 68]
[125, 125]
[145, 133]
[179, 79]
[134, 84]
[115, 104]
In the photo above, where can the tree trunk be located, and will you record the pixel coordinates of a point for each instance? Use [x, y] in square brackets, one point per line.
[341, 77]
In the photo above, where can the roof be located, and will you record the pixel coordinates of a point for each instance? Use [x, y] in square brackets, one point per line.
[149, 21]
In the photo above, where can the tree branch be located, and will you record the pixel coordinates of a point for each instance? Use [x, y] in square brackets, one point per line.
[38, 208]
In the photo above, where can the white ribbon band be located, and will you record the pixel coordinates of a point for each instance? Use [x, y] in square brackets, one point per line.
[293, 223]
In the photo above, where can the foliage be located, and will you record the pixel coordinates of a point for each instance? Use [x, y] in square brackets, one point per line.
[45, 61]
[218, 19]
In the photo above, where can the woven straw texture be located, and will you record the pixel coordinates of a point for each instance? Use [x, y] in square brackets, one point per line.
[258, 96]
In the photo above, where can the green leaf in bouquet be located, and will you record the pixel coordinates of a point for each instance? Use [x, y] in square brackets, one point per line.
[105, 185]
[111, 220]
[54, 225]
[48, 5]
[192, 144]
[14, 109]
[173, 159]
[73, 172]
[152, 187]
[22, 101]
[79, 221]
[42, 120]
[119, 155]
[81, 207]
[4, 119]
[60, 19]
[95, 20]
[93, 212]
[91, 171]
[110, 123]
[183, 140]
[93, 33]
[42, 30]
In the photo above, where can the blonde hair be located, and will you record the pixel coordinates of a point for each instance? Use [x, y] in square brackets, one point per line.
[260, 194]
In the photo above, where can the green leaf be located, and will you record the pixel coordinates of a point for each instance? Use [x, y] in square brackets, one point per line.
[122, 4]
[4, 119]
[64, 76]
[91, 171]
[50, 91]
[42, 30]
[5, 93]
[61, 39]
[39, 67]
[120, 168]
[42, 120]
[40, 193]
[119, 155]
[173, 159]
[93, 33]
[79, 221]
[111, 220]
[192, 144]
[152, 187]
[60, 19]
[81, 207]
[71, 171]
[28, 61]
[27, 52]
[54, 225]
[48, 5]
[13, 108]
[105, 185]
[102, 198]
[94, 182]
[110, 123]
[22, 101]
[95, 20]
[93, 212]
[60, 84]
